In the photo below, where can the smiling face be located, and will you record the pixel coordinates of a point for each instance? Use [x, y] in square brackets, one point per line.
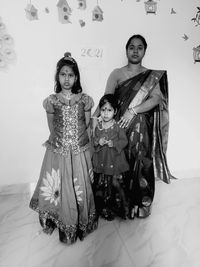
[107, 112]
[135, 51]
[67, 78]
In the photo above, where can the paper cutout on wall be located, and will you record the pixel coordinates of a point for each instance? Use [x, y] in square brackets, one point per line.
[150, 7]
[185, 37]
[97, 14]
[64, 11]
[196, 54]
[197, 17]
[31, 12]
[7, 53]
[46, 10]
[2, 26]
[82, 4]
[173, 11]
[81, 22]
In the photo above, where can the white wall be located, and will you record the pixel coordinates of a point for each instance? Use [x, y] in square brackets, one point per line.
[39, 44]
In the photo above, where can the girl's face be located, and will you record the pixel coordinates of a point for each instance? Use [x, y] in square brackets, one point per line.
[135, 51]
[67, 78]
[107, 112]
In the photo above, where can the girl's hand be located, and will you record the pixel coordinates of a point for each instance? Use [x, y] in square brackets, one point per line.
[93, 124]
[125, 119]
[102, 141]
[110, 143]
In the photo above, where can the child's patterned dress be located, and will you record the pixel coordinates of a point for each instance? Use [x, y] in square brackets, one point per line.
[63, 195]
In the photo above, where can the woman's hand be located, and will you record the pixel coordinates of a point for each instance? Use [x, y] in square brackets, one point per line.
[125, 119]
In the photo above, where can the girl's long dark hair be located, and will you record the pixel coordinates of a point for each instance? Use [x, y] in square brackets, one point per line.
[67, 60]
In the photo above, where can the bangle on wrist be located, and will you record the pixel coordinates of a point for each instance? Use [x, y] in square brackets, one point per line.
[132, 111]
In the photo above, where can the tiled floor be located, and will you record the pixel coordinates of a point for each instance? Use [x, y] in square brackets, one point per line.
[170, 237]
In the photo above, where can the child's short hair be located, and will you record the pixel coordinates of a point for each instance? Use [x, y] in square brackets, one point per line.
[108, 98]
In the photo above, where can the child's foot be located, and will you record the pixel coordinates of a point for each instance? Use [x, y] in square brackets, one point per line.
[107, 215]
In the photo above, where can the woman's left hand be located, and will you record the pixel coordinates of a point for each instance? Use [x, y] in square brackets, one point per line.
[125, 119]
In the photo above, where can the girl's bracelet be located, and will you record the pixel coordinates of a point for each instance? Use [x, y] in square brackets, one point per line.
[132, 111]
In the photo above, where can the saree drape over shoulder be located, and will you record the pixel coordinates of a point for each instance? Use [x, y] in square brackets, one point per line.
[147, 139]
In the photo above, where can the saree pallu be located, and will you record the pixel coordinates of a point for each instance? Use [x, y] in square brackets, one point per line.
[147, 139]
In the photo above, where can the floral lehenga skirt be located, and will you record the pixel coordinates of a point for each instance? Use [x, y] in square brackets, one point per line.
[63, 196]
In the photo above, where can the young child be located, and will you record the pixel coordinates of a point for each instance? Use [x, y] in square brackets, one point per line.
[63, 196]
[109, 162]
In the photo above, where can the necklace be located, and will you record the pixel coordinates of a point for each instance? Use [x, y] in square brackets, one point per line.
[108, 125]
[67, 95]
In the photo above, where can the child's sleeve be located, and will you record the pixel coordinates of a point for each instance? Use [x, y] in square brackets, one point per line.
[48, 105]
[88, 101]
[120, 143]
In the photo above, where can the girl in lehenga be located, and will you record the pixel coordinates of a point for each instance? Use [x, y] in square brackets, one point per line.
[109, 162]
[63, 196]
[143, 99]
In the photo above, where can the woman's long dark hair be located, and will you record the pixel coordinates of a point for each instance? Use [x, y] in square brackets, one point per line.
[136, 36]
[67, 60]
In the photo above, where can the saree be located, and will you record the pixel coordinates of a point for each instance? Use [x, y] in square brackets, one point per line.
[147, 136]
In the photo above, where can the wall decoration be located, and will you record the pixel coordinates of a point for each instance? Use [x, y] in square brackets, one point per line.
[82, 4]
[97, 13]
[197, 17]
[173, 11]
[64, 11]
[2, 26]
[46, 10]
[185, 37]
[81, 22]
[150, 7]
[7, 53]
[92, 52]
[31, 12]
[196, 54]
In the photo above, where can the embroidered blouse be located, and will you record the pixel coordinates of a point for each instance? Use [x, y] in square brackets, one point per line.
[68, 122]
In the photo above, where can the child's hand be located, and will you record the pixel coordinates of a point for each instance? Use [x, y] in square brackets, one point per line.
[102, 141]
[110, 143]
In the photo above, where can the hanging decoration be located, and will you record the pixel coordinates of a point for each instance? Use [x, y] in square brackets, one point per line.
[81, 22]
[185, 37]
[197, 17]
[150, 7]
[82, 4]
[97, 13]
[173, 11]
[31, 12]
[64, 11]
[7, 53]
[46, 10]
[196, 54]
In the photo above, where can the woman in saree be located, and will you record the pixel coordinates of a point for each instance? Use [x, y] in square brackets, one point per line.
[142, 96]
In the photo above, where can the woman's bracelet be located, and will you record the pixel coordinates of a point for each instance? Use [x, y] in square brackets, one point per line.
[132, 111]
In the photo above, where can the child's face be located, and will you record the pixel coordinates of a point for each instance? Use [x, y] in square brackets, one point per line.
[107, 112]
[67, 78]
